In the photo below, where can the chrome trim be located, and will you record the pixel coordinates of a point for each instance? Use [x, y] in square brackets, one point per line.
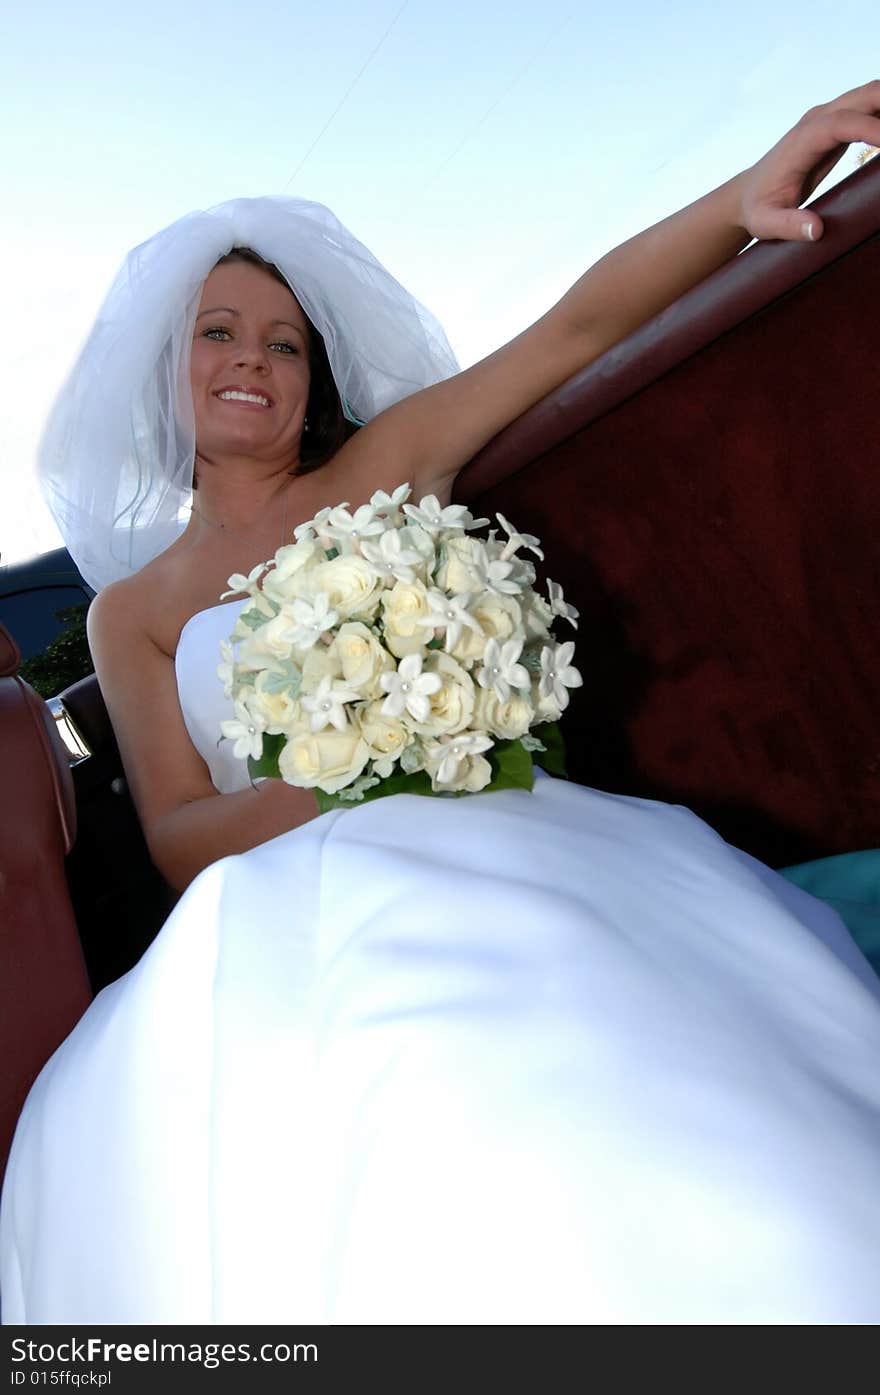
[77, 748]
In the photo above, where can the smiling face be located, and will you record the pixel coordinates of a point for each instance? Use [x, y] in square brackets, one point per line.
[249, 367]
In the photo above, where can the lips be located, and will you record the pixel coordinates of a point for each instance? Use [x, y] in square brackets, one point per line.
[245, 395]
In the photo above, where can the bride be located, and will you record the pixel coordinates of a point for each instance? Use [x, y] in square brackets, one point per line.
[557, 1056]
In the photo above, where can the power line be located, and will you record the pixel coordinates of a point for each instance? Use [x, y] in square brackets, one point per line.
[346, 94]
[469, 134]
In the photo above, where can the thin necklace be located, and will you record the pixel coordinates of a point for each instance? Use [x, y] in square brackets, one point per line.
[233, 532]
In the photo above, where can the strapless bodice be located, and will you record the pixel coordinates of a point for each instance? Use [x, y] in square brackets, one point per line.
[202, 701]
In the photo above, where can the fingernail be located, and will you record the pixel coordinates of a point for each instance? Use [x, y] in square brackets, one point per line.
[807, 230]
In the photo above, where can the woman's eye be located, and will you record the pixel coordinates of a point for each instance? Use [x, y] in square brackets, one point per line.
[284, 347]
[218, 333]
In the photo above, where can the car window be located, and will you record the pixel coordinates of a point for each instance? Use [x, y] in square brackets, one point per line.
[44, 609]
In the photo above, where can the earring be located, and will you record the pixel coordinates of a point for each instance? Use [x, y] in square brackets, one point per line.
[305, 423]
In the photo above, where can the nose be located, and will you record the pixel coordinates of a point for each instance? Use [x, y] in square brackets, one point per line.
[251, 354]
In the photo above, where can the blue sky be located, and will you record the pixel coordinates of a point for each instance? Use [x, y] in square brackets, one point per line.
[488, 151]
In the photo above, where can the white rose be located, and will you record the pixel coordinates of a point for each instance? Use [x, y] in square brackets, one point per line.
[452, 705]
[279, 710]
[546, 710]
[259, 647]
[415, 537]
[362, 657]
[472, 773]
[287, 579]
[327, 759]
[321, 661]
[506, 720]
[386, 737]
[351, 584]
[499, 617]
[455, 574]
[403, 607]
[537, 616]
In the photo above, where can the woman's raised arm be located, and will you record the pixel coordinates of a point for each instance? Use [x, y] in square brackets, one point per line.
[428, 437]
[186, 822]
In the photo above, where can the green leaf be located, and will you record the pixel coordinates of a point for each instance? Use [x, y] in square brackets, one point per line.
[512, 767]
[268, 762]
[286, 677]
[331, 553]
[252, 618]
[511, 763]
[553, 759]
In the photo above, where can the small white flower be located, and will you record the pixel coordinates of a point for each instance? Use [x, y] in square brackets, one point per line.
[559, 605]
[445, 760]
[246, 730]
[557, 674]
[388, 505]
[501, 669]
[315, 525]
[408, 689]
[494, 575]
[434, 519]
[241, 584]
[391, 558]
[450, 613]
[516, 540]
[327, 704]
[343, 526]
[310, 620]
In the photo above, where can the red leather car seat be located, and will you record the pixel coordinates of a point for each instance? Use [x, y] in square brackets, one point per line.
[43, 978]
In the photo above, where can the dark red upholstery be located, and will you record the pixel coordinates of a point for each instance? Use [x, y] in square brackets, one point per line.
[709, 496]
[45, 987]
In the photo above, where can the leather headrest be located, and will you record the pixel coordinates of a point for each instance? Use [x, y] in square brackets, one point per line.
[10, 658]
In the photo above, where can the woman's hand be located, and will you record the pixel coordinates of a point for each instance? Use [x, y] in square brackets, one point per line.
[428, 437]
[772, 190]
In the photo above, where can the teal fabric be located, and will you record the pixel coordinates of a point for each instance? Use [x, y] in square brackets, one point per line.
[850, 884]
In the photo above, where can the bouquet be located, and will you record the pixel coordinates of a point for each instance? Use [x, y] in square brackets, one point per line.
[389, 650]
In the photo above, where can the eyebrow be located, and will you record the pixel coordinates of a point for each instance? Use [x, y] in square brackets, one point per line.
[228, 310]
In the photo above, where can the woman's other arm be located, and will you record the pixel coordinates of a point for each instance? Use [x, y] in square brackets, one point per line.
[186, 822]
[428, 437]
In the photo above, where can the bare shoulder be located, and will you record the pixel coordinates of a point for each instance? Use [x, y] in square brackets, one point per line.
[143, 611]
[118, 614]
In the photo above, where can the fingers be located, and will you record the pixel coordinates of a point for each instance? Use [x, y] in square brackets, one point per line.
[787, 225]
[846, 126]
[865, 99]
[795, 167]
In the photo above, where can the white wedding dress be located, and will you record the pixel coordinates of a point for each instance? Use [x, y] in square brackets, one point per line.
[551, 1057]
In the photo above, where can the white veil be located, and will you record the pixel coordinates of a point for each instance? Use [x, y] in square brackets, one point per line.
[116, 458]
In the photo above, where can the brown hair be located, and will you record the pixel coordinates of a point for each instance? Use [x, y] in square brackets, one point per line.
[329, 428]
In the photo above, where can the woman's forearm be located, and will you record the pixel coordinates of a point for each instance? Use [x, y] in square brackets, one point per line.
[650, 271]
[182, 843]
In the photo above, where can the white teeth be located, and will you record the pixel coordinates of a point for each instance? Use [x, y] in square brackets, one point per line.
[234, 396]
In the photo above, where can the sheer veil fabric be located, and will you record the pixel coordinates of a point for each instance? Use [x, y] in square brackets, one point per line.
[116, 459]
